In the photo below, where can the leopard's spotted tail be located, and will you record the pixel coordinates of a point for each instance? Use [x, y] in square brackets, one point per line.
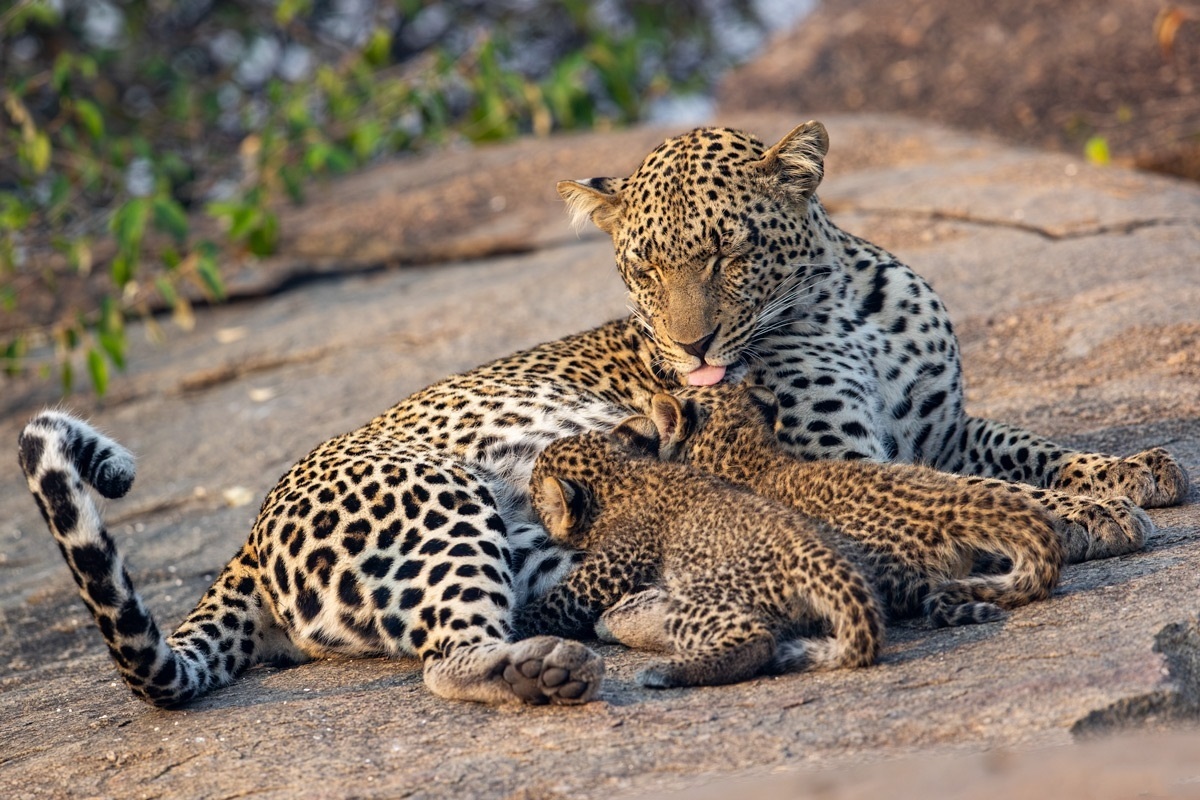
[230, 630]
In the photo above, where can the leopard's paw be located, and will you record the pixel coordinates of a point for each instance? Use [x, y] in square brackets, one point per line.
[1171, 484]
[1091, 528]
[546, 669]
[1120, 527]
[1150, 479]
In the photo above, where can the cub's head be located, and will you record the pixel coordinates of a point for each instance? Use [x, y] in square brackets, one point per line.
[576, 479]
[713, 238]
[717, 429]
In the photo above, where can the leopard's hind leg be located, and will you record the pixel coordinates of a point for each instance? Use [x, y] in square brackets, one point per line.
[715, 643]
[992, 449]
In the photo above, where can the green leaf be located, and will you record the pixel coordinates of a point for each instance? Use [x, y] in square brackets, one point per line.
[219, 209]
[174, 167]
[97, 370]
[35, 152]
[378, 51]
[169, 217]
[66, 377]
[365, 139]
[128, 223]
[60, 186]
[111, 318]
[87, 67]
[288, 10]
[14, 213]
[264, 239]
[207, 269]
[293, 183]
[90, 118]
[275, 92]
[243, 221]
[340, 160]
[165, 290]
[113, 344]
[298, 115]
[14, 353]
[316, 156]
[122, 268]
[61, 72]
[1095, 150]
[170, 258]
[41, 14]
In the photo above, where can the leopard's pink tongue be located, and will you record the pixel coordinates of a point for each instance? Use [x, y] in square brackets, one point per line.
[706, 375]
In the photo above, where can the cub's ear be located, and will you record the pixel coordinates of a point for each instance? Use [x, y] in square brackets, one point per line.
[796, 164]
[765, 402]
[675, 419]
[597, 199]
[638, 435]
[560, 505]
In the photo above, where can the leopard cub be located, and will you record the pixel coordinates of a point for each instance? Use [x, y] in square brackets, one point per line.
[752, 585]
[918, 532]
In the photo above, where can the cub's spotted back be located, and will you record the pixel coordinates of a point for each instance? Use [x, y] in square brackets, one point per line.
[742, 575]
[918, 532]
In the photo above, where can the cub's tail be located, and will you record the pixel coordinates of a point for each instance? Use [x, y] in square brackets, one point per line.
[1007, 528]
[230, 630]
[832, 586]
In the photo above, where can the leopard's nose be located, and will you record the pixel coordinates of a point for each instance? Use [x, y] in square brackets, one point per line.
[699, 347]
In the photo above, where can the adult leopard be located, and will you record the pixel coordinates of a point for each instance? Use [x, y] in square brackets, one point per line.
[413, 535]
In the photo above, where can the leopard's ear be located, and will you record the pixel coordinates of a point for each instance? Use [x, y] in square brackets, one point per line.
[638, 435]
[597, 199]
[765, 402]
[560, 506]
[674, 419]
[796, 164]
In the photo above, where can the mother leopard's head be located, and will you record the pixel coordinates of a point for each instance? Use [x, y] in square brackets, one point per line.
[714, 236]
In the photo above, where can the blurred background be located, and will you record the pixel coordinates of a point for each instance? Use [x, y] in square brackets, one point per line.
[146, 144]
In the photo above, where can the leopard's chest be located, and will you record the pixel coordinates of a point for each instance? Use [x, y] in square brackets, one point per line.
[872, 370]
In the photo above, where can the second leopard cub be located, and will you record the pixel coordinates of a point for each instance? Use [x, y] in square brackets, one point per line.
[919, 532]
[751, 584]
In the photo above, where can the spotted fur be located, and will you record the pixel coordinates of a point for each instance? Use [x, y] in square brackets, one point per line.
[405, 537]
[742, 574]
[919, 531]
[412, 536]
[732, 263]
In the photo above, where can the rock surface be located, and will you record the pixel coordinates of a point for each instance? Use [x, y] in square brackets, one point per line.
[1074, 290]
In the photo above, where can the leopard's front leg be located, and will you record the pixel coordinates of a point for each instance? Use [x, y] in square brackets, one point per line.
[993, 449]
[1151, 479]
[1087, 527]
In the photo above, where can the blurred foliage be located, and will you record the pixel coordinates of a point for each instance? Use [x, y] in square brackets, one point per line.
[1096, 151]
[149, 141]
